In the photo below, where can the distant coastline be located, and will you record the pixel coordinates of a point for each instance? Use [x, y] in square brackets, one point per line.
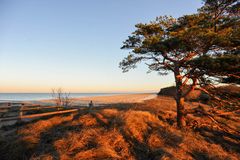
[5, 97]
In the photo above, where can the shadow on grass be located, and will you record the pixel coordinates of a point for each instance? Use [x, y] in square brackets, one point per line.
[228, 141]
[199, 155]
[140, 150]
[15, 148]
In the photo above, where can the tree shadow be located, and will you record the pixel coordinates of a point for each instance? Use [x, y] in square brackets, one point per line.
[16, 147]
[199, 155]
[140, 150]
[228, 141]
[47, 138]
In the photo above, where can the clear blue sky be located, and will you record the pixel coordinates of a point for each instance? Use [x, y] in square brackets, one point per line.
[75, 44]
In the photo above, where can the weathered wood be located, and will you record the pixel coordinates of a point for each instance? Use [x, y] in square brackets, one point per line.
[7, 107]
[24, 108]
[38, 115]
[38, 108]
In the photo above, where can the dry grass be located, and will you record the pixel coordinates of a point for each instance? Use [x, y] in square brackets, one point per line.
[134, 131]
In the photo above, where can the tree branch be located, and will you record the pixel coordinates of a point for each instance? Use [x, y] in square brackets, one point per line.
[193, 86]
[213, 96]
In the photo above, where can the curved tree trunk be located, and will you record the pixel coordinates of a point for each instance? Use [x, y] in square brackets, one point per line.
[179, 98]
[180, 112]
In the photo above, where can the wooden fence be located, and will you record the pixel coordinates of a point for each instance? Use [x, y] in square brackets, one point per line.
[16, 111]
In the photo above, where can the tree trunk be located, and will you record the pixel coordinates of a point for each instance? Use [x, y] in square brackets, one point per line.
[180, 112]
[179, 99]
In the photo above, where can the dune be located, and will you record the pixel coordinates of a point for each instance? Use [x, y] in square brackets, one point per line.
[123, 131]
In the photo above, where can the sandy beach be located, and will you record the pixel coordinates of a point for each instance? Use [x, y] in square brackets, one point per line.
[124, 98]
[113, 99]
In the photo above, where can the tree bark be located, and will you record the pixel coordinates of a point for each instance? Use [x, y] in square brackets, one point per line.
[179, 99]
[180, 113]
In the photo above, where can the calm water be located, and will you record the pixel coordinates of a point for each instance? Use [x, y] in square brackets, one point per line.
[41, 96]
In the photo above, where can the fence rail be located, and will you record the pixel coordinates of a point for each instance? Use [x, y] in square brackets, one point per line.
[15, 111]
[38, 115]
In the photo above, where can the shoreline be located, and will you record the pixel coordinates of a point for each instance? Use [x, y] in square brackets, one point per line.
[109, 99]
[97, 99]
[83, 101]
[113, 99]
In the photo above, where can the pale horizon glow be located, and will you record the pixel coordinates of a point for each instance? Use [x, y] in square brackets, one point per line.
[75, 44]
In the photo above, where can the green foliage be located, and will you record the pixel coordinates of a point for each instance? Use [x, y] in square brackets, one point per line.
[219, 7]
[199, 49]
[161, 42]
[223, 58]
[225, 67]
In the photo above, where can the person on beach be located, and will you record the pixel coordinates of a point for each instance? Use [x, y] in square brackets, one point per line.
[90, 104]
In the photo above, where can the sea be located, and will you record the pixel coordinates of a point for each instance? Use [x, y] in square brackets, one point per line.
[4, 97]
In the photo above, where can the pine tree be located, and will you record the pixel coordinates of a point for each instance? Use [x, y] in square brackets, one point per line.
[191, 47]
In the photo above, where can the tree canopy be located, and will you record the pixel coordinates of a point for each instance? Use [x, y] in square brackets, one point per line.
[199, 49]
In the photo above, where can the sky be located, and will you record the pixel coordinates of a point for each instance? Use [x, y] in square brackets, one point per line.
[75, 44]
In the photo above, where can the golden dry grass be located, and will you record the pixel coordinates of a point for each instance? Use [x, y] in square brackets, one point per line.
[124, 131]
